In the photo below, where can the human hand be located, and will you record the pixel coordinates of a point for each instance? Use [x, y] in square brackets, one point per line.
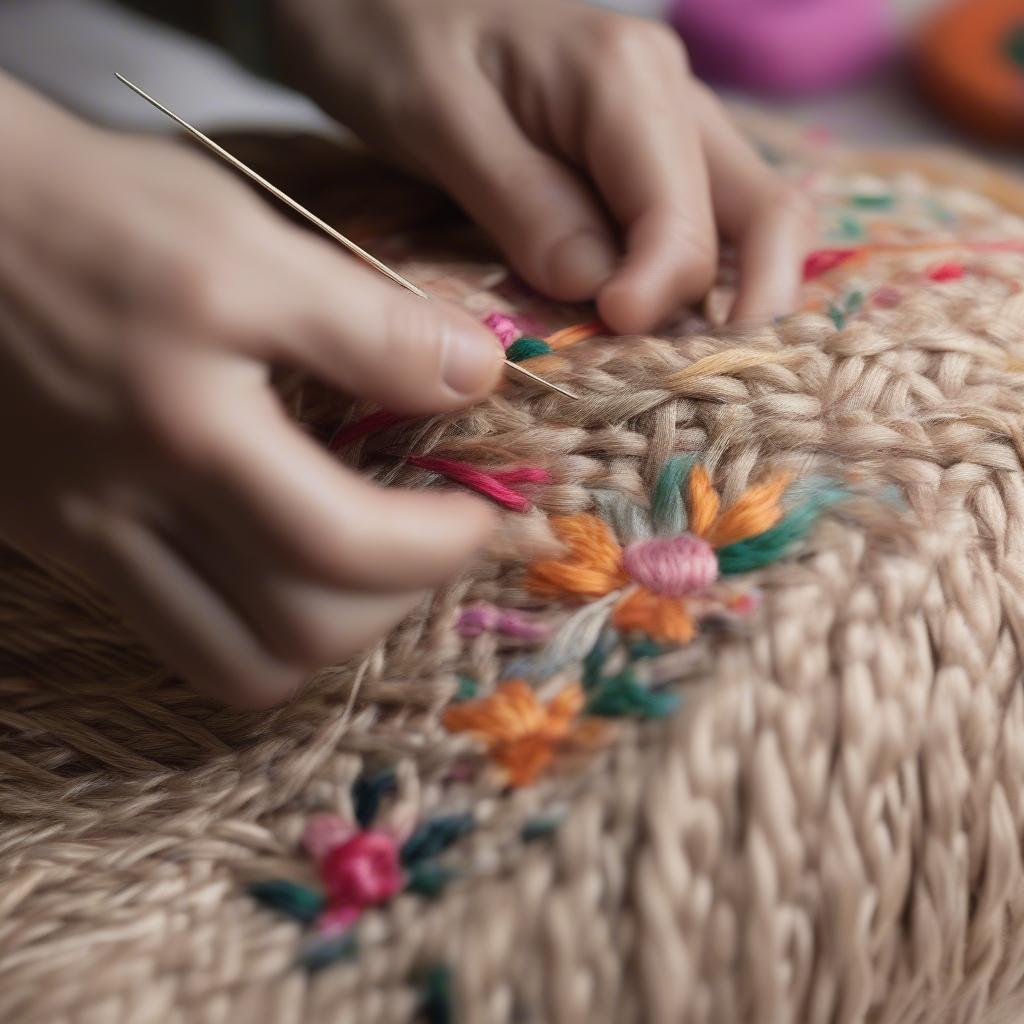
[576, 137]
[143, 294]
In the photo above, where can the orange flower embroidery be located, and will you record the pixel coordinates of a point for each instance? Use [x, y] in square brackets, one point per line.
[663, 574]
[520, 733]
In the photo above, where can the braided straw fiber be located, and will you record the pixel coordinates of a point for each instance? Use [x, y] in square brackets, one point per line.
[828, 830]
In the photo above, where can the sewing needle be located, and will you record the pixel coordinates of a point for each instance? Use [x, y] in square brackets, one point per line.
[313, 218]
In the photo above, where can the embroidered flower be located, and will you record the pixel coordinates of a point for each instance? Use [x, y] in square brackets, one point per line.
[359, 868]
[520, 733]
[670, 581]
[363, 871]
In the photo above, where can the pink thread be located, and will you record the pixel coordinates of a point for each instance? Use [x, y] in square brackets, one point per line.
[492, 485]
[674, 566]
[363, 871]
[486, 618]
[504, 327]
[380, 420]
[822, 260]
[886, 297]
[323, 832]
[950, 271]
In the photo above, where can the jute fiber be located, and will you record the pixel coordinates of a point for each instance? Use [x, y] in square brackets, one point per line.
[828, 829]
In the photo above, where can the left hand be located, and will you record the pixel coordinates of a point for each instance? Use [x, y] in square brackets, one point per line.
[576, 137]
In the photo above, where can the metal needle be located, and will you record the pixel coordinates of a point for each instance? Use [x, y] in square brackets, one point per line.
[314, 219]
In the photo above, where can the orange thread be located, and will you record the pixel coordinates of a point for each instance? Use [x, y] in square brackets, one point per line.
[520, 733]
[593, 566]
[577, 332]
[757, 510]
[704, 501]
[662, 618]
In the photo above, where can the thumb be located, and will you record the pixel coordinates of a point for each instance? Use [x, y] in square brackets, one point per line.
[369, 337]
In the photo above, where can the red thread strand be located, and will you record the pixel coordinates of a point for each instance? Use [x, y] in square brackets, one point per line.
[949, 271]
[491, 485]
[380, 420]
[822, 260]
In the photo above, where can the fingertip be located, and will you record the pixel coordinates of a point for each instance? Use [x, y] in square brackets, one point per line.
[672, 261]
[476, 518]
[471, 360]
[628, 306]
[579, 264]
[771, 256]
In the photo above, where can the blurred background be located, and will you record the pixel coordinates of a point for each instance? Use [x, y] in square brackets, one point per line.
[875, 72]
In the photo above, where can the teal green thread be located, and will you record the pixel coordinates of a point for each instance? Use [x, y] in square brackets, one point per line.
[593, 663]
[527, 348]
[436, 1003]
[540, 827]
[367, 793]
[849, 228]
[757, 552]
[429, 879]
[850, 305]
[321, 953]
[467, 689]
[623, 697]
[286, 897]
[435, 836]
[865, 201]
[668, 510]
[646, 649]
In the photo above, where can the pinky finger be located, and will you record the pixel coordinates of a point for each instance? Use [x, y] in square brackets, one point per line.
[771, 252]
[180, 615]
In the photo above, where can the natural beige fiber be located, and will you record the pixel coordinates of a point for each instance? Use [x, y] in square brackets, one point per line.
[828, 831]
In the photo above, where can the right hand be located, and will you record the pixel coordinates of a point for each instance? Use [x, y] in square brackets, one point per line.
[143, 294]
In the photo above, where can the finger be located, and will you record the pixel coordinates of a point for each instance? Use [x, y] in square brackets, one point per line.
[185, 621]
[771, 223]
[286, 494]
[294, 297]
[537, 209]
[642, 147]
[298, 620]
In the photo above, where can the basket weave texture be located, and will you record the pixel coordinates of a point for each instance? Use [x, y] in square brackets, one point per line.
[829, 829]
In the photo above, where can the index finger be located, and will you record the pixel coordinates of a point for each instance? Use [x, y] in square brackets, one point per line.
[642, 145]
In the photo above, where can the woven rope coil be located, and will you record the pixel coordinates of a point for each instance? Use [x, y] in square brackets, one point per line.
[829, 830]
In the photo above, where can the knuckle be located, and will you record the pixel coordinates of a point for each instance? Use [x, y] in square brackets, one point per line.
[187, 287]
[203, 287]
[792, 202]
[697, 254]
[174, 432]
[635, 42]
[420, 110]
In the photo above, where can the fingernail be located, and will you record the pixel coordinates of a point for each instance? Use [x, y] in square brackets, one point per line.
[581, 263]
[471, 361]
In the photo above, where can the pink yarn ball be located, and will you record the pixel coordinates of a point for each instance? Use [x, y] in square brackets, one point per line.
[674, 566]
[783, 46]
